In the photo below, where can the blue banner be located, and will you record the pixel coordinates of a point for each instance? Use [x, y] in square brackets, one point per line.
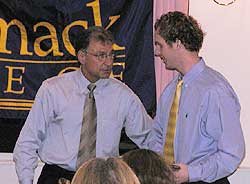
[37, 42]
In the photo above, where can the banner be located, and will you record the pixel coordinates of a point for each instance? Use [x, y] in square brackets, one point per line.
[37, 42]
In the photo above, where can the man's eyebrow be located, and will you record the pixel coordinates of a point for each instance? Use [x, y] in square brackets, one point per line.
[157, 43]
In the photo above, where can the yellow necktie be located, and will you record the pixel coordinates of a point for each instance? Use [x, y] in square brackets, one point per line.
[169, 143]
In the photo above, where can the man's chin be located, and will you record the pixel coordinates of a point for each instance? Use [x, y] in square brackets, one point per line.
[105, 75]
[168, 68]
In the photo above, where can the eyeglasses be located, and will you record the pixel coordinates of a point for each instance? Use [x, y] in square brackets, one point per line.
[101, 56]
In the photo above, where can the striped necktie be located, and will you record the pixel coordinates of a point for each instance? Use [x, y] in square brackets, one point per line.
[87, 146]
[169, 143]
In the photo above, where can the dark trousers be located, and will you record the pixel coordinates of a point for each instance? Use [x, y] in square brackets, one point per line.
[220, 181]
[52, 173]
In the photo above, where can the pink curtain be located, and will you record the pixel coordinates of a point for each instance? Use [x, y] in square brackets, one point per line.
[163, 76]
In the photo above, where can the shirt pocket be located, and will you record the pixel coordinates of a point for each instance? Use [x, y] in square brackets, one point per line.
[70, 119]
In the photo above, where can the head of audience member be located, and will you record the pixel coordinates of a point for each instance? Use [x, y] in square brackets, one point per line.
[178, 27]
[149, 167]
[95, 52]
[105, 171]
[178, 39]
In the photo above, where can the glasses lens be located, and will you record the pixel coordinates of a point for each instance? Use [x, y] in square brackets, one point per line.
[102, 55]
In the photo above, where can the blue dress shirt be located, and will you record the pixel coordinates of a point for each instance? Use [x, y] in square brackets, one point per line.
[52, 129]
[208, 137]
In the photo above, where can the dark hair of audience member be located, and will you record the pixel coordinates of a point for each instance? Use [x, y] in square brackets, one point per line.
[149, 167]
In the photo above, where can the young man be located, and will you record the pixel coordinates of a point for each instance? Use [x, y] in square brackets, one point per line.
[205, 141]
[59, 120]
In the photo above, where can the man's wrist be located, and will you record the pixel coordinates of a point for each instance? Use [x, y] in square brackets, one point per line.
[193, 173]
[26, 181]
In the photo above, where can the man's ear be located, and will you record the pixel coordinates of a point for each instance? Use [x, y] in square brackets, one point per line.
[81, 57]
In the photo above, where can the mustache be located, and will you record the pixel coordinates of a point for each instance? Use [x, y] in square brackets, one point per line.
[107, 68]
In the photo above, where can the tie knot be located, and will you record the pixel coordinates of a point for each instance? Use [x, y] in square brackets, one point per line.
[91, 87]
[180, 82]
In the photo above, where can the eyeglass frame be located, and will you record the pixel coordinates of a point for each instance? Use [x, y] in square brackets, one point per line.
[101, 56]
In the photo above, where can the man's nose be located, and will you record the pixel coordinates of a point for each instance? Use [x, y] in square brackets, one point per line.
[157, 52]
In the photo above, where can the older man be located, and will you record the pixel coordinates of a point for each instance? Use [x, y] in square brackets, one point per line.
[79, 115]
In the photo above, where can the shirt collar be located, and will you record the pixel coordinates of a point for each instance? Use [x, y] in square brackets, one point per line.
[82, 83]
[194, 72]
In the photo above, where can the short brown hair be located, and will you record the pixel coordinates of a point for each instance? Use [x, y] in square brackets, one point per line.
[178, 26]
[96, 33]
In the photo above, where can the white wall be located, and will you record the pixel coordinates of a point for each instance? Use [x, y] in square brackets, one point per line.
[7, 169]
[226, 48]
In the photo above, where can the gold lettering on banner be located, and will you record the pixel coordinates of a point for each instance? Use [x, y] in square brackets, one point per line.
[65, 35]
[96, 12]
[112, 19]
[95, 5]
[117, 47]
[12, 79]
[120, 65]
[120, 74]
[53, 37]
[15, 104]
[50, 37]
[4, 27]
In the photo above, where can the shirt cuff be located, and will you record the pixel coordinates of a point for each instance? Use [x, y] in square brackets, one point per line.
[26, 181]
[194, 173]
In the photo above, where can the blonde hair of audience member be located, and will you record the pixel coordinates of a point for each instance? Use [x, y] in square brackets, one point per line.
[105, 171]
[149, 167]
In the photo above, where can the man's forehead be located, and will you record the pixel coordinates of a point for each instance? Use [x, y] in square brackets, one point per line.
[100, 46]
[158, 38]
[100, 42]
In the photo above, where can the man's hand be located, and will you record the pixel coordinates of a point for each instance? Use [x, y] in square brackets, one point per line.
[181, 175]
